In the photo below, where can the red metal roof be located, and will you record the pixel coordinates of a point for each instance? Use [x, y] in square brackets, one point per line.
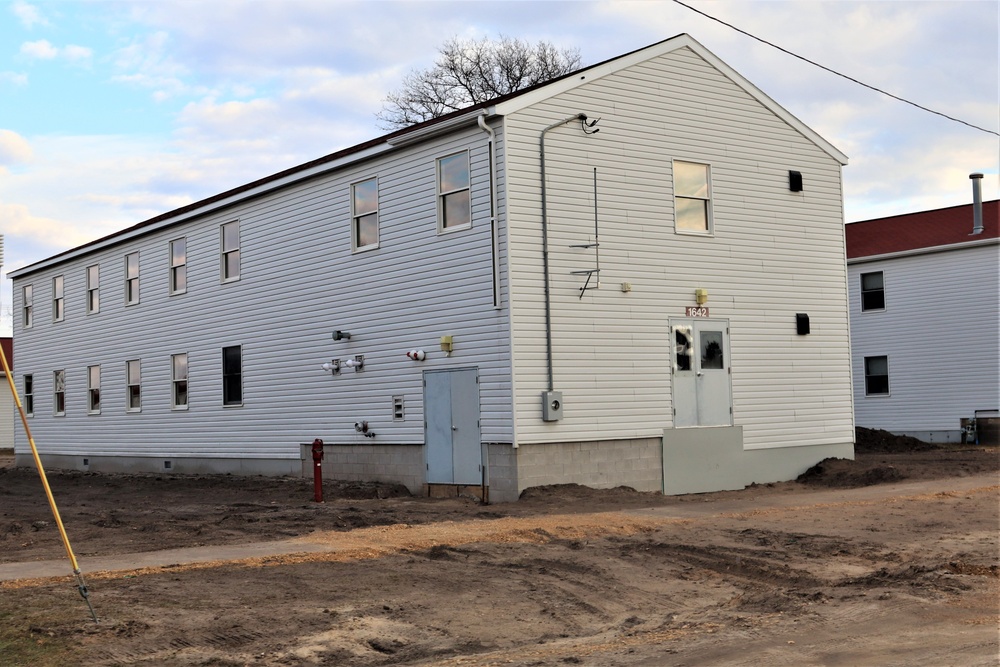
[925, 229]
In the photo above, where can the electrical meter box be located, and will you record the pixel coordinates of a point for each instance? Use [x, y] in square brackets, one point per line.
[552, 406]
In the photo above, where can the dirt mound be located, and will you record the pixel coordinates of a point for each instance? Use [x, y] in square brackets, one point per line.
[877, 440]
[578, 491]
[845, 474]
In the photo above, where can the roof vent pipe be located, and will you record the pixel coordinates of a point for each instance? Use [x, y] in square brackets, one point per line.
[977, 203]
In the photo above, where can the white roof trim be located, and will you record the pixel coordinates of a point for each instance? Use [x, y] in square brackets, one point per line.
[924, 251]
[667, 46]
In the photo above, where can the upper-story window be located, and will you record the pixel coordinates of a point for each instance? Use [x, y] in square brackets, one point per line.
[454, 203]
[178, 266]
[872, 291]
[364, 214]
[27, 306]
[131, 278]
[29, 394]
[692, 198]
[179, 381]
[230, 258]
[94, 289]
[94, 389]
[58, 299]
[59, 393]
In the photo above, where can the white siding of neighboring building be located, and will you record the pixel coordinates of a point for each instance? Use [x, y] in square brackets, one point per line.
[939, 330]
[774, 253]
[299, 282]
[8, 415]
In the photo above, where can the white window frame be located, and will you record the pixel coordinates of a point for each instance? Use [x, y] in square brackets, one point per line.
[864, 370]
[94, 390]
[93, 289]
[28, 306]
[131, 280]
[175, 381]
[442, 194]
[356, 217]
[57, 394]
[28, 384]
[227, 253]
[58, 298]
[133, 381]
[861, 292]
[177, 268]
[708, 199]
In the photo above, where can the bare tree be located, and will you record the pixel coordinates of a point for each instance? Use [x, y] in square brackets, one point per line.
[468, 72]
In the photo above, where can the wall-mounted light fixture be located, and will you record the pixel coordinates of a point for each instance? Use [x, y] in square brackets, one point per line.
[332, 366]
[701, 296]
[447, 344]
[341, 335]
[357, 363]
[416, 355]
[362, 428]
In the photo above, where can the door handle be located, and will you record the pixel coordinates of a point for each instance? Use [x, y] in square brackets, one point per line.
[700, 373]
[454, 428]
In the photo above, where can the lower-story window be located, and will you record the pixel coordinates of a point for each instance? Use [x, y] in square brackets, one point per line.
[179, 380]
[94, 389]
[876, 376]
[59, 393]
[133, 379]
[232, 375]
[29, 395]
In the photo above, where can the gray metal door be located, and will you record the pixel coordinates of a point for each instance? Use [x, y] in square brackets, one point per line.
[451, 426]
[702, 392]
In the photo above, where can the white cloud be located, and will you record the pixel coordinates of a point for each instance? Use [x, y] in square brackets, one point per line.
[77, 53]
[29, 15]
[40, 50]
[16, 220]
[14, 149]
[15, 78]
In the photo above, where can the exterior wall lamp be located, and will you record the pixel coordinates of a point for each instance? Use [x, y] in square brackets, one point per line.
[341, 335]
[701, 296]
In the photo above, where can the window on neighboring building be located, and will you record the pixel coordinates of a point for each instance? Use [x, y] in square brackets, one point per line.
[94, 289]
[232, 375]
[29, 394]
[692, 197]
[872, 291]
[454, 203]
[133, 382]
[94, 389]
[131, 278]
[876, 376]
[364, 212]
[59, 392]
[58, 299]
[231, 251]
[179, 381]
[27, 305]
[178, 266]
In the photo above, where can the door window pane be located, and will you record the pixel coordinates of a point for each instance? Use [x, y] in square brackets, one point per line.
[711, 350]
[683, 348]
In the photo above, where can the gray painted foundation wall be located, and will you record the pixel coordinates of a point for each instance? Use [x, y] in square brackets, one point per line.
[177, 465]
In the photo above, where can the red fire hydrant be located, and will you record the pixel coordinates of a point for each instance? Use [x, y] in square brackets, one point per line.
[318, 470]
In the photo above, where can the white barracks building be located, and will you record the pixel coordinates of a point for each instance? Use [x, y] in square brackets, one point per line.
[631, 275]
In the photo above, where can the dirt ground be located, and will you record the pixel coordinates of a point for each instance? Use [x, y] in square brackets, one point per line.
[565, 576]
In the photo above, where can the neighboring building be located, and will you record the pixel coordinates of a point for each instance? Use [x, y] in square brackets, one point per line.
[8, 410]
[665, 309]
[925, 308]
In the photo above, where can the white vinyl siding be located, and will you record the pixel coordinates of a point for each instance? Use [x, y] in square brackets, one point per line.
[418, 287]
[940, 335]
[774, 253]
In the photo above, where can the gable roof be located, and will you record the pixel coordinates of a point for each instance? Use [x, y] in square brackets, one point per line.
[921, 230]
[497, 107]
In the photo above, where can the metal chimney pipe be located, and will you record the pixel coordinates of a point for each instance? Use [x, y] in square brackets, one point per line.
[977, 203]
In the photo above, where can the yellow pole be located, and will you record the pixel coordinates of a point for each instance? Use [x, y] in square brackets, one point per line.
[45, 484]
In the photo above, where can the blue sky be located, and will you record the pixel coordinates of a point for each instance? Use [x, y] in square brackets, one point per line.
[113, 111]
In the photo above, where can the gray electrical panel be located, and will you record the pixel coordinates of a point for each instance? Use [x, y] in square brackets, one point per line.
[552, 406]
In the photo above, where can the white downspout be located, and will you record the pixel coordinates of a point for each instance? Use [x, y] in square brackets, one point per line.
[494, 232]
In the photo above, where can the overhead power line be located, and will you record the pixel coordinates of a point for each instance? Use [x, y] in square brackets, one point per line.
[833, 71]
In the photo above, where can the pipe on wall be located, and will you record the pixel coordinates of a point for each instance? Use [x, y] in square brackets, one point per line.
[494, 232]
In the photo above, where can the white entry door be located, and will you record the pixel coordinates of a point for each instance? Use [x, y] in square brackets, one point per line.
[702, 391]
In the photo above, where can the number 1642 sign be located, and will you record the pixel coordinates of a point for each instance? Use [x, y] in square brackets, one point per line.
[696, 311]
